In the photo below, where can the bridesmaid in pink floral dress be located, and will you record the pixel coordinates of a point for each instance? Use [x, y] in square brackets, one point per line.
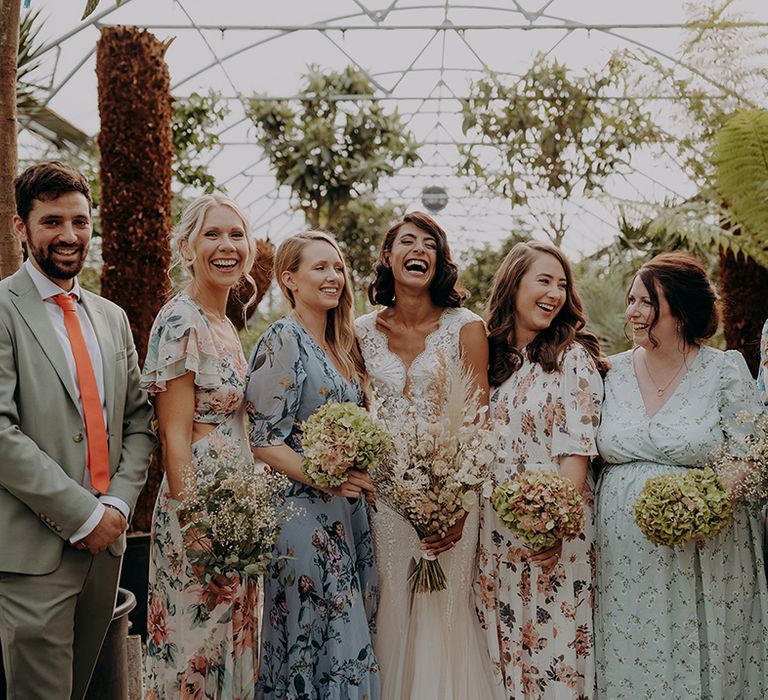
[201, 639]
[536, 607]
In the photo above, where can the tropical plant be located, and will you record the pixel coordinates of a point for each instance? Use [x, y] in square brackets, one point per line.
[332, 147]
[556, 136]
[136, 196]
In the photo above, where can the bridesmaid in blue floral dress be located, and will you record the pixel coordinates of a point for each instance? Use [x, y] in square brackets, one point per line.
[761, 385]
[320, 592]
[202, 639]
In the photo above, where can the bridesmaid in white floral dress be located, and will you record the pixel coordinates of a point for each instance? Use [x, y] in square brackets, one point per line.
[201, 639]
[536, 607]
[688, 622]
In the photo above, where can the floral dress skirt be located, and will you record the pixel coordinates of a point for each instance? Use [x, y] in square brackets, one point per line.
[200, 645]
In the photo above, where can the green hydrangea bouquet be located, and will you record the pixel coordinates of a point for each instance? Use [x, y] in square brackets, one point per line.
[540, 507]
[339, 437]
[673, 509]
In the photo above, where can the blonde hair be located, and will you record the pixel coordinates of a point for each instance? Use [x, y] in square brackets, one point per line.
[189, 227]
[339, 329]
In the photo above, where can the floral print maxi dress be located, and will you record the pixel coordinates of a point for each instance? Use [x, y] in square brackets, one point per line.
[538, 625]
[688, 622]
[320, 592]
[200, 644]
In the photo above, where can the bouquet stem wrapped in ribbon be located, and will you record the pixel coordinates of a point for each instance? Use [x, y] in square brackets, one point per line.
[339, 437]
[441, 459]
[540, 507]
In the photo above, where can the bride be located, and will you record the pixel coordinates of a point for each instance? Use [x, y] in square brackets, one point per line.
[429, 645]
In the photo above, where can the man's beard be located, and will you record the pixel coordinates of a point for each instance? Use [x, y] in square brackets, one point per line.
[53, 269]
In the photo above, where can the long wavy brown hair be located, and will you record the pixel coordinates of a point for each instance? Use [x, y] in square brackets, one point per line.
[549, 346]
[339, 329]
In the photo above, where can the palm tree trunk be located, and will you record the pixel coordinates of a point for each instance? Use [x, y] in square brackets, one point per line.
[10, 249]
[744, 288]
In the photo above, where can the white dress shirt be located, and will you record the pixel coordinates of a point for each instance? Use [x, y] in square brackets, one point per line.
[47, 290]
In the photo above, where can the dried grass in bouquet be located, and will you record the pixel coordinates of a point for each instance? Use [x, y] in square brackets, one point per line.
[441, 460]
[231, 512]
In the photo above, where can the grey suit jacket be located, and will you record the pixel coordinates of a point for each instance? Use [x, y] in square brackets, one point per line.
[42, 446]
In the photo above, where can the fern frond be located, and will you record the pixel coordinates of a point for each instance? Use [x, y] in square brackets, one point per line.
[741, 158]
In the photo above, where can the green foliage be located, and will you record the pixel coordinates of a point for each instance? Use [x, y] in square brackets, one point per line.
[193, 133]
[479, 266]
[555, 133]
[359, 230]
[91, 6]
[329, 150]
[741, 160]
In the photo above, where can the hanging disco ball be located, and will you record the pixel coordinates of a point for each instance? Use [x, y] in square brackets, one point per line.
[434, 198]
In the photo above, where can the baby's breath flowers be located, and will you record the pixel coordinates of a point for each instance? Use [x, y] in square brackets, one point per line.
[746, 471]
[231, 512]
[339, 437]
[441, 459]
[540, 507]
[673, 509]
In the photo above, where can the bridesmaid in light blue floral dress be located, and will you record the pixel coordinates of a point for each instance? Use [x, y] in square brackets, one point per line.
[761, 386]
[689, 622]
[320, 593]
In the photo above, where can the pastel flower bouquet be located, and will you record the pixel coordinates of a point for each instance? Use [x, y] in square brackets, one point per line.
[441, 460]
[339, 437]
[673, 509]
[231, 512]
[540, 507]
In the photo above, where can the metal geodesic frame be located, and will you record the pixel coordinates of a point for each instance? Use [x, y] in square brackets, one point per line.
[419, 55]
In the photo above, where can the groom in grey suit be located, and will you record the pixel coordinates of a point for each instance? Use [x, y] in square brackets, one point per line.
[61, 538]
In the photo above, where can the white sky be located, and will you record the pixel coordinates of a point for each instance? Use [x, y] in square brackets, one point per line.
[408, 63]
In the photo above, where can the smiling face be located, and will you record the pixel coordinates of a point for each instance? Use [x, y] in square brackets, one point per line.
[641, 315]
[539, 297]
[413, 257]
[318, 281]
[220, 249]
[58, 234]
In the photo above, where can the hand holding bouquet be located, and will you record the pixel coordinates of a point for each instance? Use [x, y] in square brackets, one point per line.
[673, 509]
[441, 459]
[339, 437]
[540, 507]
[230, 514]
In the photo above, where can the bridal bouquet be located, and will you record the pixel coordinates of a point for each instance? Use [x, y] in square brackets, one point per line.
[231, 513]
[540, 507]
[441, 459]
[676, 508]
[746, 472]
[339, 437]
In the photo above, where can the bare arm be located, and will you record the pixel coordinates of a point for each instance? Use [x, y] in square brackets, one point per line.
[474, 350]
[175, 410]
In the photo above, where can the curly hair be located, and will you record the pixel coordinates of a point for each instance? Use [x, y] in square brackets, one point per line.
[444, 289]
[548, 347]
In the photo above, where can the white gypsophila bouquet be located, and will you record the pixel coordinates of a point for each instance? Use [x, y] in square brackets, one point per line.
[441, 460]
[744, 467]
[339, 437]
[231, 512]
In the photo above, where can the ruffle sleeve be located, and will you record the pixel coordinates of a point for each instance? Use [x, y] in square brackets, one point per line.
[181, 341]
[275, 382]
[581, 396]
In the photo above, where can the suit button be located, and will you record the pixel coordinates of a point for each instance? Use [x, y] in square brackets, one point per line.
[77, 437]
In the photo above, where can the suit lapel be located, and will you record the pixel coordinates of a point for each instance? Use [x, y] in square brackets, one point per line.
[32, 309]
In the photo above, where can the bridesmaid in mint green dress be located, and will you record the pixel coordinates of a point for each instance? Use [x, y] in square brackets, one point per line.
[690, 622]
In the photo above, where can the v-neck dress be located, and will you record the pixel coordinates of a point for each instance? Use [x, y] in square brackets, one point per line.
[320, 592]
[200, 644]
[689, 622]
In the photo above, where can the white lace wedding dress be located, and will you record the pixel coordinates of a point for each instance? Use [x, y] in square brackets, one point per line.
[429, 645]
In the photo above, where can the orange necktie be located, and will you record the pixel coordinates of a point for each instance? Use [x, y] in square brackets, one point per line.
[98, 451]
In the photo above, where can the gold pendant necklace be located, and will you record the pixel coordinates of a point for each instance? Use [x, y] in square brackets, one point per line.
[661, 389]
